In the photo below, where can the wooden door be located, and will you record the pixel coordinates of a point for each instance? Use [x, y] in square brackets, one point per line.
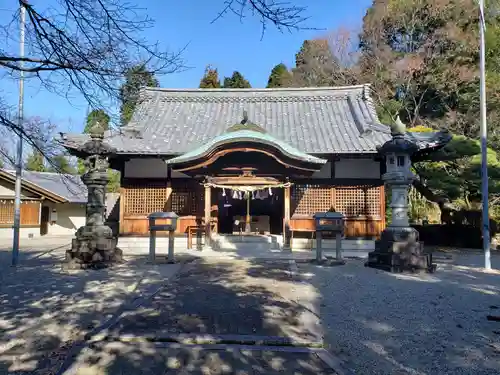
[44, 220]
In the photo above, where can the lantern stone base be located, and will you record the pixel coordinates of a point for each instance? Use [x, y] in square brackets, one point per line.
[399, 250]
[93, 247]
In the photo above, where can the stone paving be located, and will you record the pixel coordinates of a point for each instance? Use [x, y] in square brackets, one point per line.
[227, 297]
[226, 317]
[117, 358]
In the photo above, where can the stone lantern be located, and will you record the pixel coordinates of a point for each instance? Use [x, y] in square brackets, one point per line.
[95, 244]
[399, 248]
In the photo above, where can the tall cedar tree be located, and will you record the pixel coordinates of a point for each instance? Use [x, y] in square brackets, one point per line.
[136, 78]
[280, 77]
[210, 79]
[236, 81]
[315, 64]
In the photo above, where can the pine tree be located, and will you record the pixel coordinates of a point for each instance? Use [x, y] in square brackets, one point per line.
[280, 77]
[97, 115]
[35, 162]
[210, 79]
[236, 81]
[136, 77]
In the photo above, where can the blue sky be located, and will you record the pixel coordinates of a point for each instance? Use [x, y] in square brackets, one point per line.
[227, 44]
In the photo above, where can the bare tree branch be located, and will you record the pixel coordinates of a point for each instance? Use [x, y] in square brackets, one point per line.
[281, 14]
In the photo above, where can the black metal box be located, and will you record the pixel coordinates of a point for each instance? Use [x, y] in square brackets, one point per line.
[329, 221]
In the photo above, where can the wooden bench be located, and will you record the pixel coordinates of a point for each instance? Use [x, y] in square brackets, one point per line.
[300, 224]
[198, 230]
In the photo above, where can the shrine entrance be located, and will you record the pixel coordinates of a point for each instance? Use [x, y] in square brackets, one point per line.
[248, 204]
[246, 174]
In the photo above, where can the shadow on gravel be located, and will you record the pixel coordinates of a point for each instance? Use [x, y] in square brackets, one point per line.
[44, 309]
[382, 323]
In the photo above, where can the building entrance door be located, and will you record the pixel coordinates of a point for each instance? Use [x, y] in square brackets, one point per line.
[265, 208]
[44, 220]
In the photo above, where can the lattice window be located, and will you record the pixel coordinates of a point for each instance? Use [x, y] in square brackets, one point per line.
[145, 199]
[309, 199]
[6, 212]
[142, 199]
[187, 198]
[30, 212]
[358, 200]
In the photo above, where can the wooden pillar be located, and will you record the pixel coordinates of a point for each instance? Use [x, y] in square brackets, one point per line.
[168, 202]
[248, 227]
[208, 205]
[121, 223]
[382, 210]
[286, 218]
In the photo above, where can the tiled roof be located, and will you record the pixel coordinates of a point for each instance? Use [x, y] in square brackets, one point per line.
[67, 186]
[312, 120]
[243, 136]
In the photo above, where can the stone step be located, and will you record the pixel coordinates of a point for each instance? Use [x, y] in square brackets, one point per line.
[272, 242]
[304, 243]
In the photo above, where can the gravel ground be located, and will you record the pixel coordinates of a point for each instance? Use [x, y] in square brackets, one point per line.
[382, 323]
[44, 309]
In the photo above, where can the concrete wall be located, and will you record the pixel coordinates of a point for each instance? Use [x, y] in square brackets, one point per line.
[357, 168]
[70, 217]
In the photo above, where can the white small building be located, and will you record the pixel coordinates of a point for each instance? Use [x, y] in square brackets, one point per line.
[52, 203]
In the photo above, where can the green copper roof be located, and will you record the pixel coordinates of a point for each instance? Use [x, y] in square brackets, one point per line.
[246, 135]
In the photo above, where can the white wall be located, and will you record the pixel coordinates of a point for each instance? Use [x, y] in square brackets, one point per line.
[7, 189]
[357, 168]
[70, 217]
[149, 168]
[7, 233]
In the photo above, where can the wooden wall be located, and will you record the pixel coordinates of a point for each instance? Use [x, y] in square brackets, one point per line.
[30, 213]
[362, 204]
[139, 198]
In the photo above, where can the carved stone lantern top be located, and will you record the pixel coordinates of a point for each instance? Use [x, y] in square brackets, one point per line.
[96, 144]
[97, 131]
[399, 143]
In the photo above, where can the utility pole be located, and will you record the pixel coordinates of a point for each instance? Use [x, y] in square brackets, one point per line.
[19, 154]
[484, 144]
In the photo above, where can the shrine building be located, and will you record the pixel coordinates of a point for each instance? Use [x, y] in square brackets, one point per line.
[253, 160]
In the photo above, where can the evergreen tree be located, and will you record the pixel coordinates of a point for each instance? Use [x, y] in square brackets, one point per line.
[280, 77]
[97, 115]
[35, 162]
[315, 64]
[61, 164]
[136, 77]
[236, 81]
[210, 79]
